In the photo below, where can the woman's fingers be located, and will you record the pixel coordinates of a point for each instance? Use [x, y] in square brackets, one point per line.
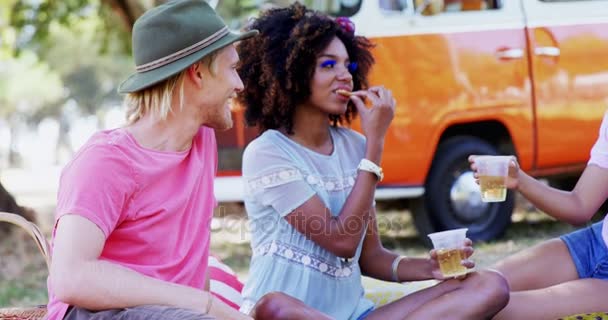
[467, 249]
[513, 166]
[469, 264]
[377, 96]
[514, 162]
[467, 242]
[373, 97]
[358, 102]
[380, 96]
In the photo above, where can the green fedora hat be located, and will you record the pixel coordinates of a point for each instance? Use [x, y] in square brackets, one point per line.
[169, 38]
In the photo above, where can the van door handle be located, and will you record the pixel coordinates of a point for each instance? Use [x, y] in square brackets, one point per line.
[547, 51]
[509, 54]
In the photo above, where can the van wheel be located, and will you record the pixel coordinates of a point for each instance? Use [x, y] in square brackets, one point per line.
[452, 198]
[422, 220]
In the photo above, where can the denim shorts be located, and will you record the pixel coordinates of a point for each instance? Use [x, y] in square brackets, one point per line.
[588, 251]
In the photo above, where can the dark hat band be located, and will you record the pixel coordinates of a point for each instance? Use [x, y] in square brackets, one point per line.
[184, 52]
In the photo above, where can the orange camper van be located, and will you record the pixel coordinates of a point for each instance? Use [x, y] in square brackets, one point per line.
[522, 77]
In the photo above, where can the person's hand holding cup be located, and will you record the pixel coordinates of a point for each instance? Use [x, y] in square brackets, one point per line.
[450, 254]
[494, 175]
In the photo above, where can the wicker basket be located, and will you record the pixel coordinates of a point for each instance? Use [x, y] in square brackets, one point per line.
[34, 312]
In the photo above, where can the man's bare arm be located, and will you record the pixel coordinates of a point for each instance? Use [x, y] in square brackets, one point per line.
[79, 278]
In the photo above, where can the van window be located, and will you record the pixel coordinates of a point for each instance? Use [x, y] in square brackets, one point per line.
[432, 7]
[237, 13]
[336, 8]
[393, 5]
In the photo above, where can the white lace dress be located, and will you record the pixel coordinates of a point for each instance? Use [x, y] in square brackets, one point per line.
[280, 175]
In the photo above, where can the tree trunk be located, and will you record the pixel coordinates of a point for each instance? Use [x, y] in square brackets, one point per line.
[8, 204]
[128, 10]
[13, 156]
[7, 201]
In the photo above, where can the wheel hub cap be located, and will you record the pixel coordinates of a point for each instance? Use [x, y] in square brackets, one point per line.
[466, 198]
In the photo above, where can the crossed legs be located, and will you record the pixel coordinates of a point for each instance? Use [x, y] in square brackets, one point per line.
[479, 296]
[277, 305]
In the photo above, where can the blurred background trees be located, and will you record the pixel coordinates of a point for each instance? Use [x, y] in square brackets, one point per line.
[60, 64]
[62, 60]
[59, 60]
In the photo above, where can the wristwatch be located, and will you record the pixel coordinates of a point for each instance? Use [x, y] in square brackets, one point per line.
[369, 166]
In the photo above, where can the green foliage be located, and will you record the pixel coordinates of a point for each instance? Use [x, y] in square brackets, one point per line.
[79, 50]
[236, 12]
[27, 85]
[91, 78]
[25, 293]
[67, 57]
[23, 271]
[33, 21]
[7, 33]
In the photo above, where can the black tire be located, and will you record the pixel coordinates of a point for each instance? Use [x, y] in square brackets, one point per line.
[485, 221]
[422, 220]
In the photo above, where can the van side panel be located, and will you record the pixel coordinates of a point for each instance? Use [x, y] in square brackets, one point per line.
[569, 49]
[451, 78]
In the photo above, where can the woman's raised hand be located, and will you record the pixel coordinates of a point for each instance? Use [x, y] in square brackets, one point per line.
[512, 178]
[376, 119]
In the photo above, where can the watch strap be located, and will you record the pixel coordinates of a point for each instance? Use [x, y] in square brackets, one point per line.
[369, 166]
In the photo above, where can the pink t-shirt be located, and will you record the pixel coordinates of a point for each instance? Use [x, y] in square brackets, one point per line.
[599, 157]
[154, 208]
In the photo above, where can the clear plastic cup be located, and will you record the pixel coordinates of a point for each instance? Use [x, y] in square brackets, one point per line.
[492, 172]
[448, 245]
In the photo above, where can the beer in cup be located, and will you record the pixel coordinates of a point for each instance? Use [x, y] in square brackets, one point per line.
[448, 245]
[492, 172]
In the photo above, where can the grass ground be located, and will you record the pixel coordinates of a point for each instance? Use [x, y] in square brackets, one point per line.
[23, 272]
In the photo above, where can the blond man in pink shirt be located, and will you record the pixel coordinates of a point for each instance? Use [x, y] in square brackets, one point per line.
[569, 274]
[132, 229]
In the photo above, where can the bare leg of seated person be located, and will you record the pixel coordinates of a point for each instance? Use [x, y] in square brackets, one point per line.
[479, 296]
[277, 305]
[545, 284]
[137, 313]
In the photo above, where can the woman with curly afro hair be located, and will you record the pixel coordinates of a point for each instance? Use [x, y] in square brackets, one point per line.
[310, 182]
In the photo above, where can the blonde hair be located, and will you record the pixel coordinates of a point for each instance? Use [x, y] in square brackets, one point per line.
[157, 98]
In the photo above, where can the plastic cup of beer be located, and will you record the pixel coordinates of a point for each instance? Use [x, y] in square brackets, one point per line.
[492, 172]
[448, 245]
